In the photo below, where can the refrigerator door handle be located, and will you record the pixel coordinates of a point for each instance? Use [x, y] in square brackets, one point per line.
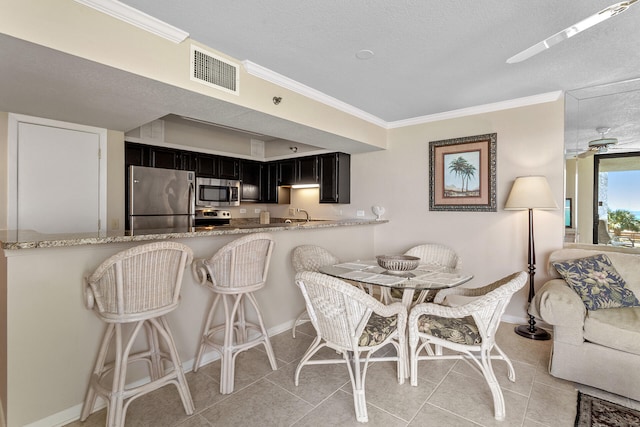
[192, 200]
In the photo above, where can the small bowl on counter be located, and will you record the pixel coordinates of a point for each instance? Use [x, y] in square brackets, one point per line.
[398, 262]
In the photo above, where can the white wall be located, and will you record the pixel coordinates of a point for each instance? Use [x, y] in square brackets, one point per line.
[4, 135]
[492, 244]
[584, 212]
[115, 180]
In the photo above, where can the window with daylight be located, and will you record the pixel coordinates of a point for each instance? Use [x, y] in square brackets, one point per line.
[616, 200]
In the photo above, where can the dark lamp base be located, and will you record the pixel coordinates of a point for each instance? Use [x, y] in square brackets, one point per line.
[537, 334]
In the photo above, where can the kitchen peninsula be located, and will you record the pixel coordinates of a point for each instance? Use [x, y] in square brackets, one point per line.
[29, 239]
[51, 338]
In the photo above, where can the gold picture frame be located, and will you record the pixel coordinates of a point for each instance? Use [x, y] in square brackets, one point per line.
[462, 174]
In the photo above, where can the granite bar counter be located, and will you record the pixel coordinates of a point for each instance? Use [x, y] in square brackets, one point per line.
[29, 239]
[49, 340]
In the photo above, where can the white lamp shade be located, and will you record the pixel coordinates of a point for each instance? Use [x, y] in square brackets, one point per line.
[530, 192]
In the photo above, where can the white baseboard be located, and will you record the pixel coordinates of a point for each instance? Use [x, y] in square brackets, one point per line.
[73, 413]
[514, 319]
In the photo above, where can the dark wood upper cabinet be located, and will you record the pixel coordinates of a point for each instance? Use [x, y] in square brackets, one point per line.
[212, 166]
[228, 168]
[169, 158]
[187, 160]
[166, 158]
[286, 172]
[206, 165]
[303, 170]
[261, 180]
[307, 170]
[270, 183]
[252, 179]
[158, 157]
[335, 178]
[136, 154]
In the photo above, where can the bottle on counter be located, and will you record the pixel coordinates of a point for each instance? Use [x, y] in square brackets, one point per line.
[265, 217]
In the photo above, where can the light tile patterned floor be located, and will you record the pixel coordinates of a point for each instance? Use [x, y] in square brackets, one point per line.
[449, 393]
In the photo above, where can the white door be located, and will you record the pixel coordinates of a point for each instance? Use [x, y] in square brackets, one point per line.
[58, 186]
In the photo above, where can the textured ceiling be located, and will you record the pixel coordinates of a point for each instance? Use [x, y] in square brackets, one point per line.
[430, 56]
[614, 106]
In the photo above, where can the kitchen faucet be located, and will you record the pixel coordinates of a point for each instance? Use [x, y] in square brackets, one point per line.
[298, 210]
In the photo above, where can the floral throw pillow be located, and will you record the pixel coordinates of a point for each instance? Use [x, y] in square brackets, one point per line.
[597, 282]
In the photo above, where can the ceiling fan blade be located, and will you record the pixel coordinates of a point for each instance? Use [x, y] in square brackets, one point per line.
[586, 154]
[620, 147]
[571, 31]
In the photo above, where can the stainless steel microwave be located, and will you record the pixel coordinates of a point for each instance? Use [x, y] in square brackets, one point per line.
[211, 192]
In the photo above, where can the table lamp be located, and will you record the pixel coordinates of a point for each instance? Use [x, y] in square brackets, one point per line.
[531, 192]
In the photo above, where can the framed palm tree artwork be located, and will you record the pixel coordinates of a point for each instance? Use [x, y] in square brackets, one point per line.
[462, 174]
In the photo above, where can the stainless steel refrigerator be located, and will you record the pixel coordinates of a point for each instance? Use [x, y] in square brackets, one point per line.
[161, 199]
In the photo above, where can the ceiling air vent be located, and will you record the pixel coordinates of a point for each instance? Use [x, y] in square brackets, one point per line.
[212, 70]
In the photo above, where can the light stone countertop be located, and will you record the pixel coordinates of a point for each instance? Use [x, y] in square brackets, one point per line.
[29, 239]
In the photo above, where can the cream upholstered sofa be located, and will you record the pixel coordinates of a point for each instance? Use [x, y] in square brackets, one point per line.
[599, 348]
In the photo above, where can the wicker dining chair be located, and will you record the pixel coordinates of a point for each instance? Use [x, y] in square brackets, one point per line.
[309, 258]
[233, 274]
[352, 323]
[138, 286]
[429, 253]
[469, 330]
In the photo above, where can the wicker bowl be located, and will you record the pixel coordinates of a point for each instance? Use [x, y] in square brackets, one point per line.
[398, 262]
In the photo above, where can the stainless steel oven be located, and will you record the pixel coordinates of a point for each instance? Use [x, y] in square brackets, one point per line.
[211, 192]
[207, 217]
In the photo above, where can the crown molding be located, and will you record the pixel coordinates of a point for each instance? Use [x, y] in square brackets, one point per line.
[137, 18]
[280, 80]
[287, 83]
[480, 109]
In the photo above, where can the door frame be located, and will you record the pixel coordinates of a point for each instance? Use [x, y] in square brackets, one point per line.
[12, 164]
[596, 186]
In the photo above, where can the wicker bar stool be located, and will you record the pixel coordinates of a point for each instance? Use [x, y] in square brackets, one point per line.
[233, 273]
[137, 288]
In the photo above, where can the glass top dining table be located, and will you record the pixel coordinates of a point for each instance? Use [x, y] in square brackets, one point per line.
[425, 277]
